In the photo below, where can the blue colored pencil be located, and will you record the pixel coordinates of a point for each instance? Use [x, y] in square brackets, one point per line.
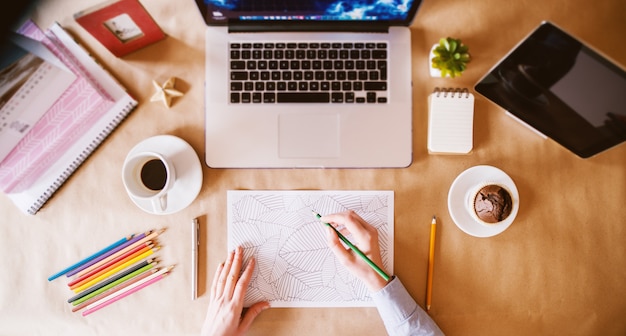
[95, 255]
[106, 254]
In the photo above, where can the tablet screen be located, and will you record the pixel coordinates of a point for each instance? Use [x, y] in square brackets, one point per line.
[563, 89]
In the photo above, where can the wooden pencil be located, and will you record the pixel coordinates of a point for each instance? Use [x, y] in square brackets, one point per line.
[110, 280]
[127, 291]
[112, 290]
[132, 289]
[109, 283]
[130, 241]
[111, 272]
[153, 234]
[110, 265]
[88, 259]
[431, 263]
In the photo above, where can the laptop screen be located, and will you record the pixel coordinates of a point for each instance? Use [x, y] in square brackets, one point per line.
[391, 11]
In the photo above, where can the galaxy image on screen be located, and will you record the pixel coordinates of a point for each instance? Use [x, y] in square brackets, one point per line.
[316, 9]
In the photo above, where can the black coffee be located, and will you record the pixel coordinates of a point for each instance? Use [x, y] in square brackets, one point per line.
[154, 174]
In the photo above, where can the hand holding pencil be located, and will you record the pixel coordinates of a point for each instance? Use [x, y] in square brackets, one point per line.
[366, 237]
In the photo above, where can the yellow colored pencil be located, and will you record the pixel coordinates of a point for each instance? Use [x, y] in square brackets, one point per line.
[112, 266]
[115, 270]
[431, 263]
[153, 234]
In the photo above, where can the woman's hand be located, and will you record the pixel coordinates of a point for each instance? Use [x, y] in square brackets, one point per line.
[227, 293]
[365, 238]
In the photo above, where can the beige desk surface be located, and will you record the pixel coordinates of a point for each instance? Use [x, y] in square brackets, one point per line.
[559, 269]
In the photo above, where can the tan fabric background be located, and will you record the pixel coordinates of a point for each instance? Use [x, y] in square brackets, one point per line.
[558, 270]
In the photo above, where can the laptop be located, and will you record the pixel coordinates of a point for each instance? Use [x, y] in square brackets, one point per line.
[308, 83]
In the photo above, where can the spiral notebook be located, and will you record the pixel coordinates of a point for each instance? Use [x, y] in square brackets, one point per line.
[31, 81]
[85, 114]
[450, 121]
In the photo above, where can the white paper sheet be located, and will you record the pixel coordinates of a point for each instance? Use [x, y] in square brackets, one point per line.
[295, 267]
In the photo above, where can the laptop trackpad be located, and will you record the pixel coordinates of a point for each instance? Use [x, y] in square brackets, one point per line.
[308, 135]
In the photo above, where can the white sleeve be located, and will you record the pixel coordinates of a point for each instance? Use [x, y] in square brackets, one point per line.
[400, 313]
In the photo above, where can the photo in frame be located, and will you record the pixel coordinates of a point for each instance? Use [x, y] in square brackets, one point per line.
[122, 26]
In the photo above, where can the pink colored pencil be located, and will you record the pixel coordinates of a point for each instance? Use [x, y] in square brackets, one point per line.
[113, 290]
[125, 294]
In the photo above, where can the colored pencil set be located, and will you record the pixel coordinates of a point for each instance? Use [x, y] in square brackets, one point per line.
[115, 272]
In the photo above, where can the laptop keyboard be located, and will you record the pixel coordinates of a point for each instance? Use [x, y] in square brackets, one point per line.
[319, 72]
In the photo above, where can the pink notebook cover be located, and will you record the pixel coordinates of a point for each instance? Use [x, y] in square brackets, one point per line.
[71, 116]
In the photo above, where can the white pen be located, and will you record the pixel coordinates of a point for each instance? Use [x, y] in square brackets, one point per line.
[195, 227]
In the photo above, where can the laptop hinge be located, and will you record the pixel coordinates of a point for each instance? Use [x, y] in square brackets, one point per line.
[307, 26]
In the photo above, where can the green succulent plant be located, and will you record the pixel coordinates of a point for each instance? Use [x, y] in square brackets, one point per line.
[451, 57]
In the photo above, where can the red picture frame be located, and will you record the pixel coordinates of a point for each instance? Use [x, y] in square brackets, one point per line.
[122, 26]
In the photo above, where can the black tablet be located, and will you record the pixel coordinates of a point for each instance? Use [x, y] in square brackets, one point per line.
[563, 89]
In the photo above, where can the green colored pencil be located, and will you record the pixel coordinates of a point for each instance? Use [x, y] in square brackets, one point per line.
[357, 251]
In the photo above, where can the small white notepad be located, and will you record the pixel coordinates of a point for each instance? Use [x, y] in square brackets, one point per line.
[450, 121]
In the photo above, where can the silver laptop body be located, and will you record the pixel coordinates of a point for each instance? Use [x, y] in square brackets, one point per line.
[281, 127]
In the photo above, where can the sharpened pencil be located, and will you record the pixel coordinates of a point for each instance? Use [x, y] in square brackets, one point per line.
[150, 235]
[110, 265]
[357, 251]
[129, 274]
[130, 241]
[431, 263]
[112, 290]
[114, 270]
[127, 291]
[110, 280]
[91, 257]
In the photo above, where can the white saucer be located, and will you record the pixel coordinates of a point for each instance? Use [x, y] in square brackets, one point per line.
[188, 172]
[458, 200]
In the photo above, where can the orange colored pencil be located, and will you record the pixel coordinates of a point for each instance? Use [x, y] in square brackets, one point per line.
[112, 264]
[153, 234]
[114, 270]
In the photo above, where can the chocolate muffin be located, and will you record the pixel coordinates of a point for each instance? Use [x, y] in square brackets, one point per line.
[492, 204]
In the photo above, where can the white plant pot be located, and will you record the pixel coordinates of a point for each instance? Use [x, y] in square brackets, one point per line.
[433, 72]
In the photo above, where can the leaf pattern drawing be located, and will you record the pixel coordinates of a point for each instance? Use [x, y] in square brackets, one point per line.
[295, 267]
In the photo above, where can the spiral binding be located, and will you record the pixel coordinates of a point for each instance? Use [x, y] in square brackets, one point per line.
[95, 143]
[452, 91]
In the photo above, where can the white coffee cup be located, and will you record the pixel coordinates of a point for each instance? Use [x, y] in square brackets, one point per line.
[149, 176]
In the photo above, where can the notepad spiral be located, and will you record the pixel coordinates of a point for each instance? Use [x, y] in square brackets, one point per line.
[458, 92]
[78, 161]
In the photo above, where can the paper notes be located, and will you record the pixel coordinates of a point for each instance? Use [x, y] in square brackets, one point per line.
[295, 267]
[450, 121]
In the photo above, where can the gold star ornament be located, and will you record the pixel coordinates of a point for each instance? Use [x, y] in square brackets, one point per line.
[165, 92]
